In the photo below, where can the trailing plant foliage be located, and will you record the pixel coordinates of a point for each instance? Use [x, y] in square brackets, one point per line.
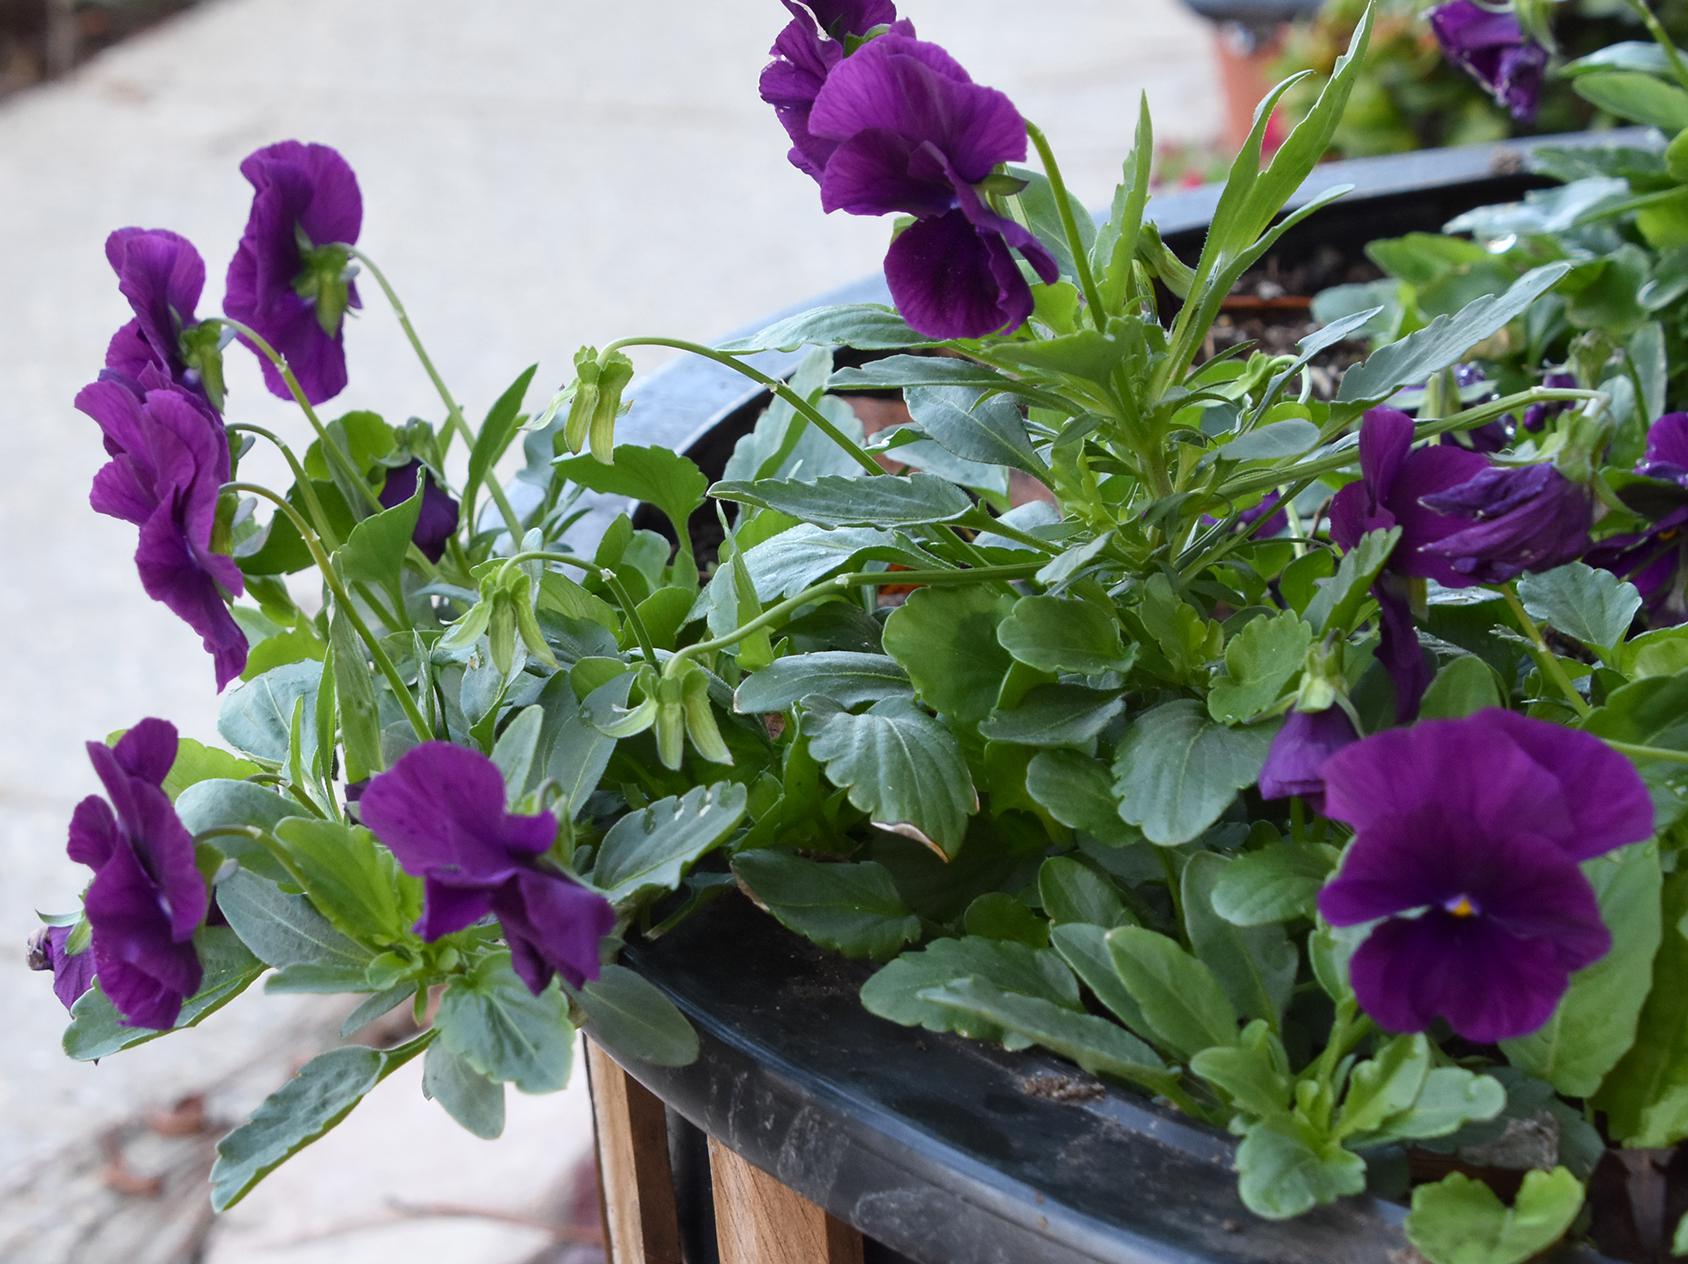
[1309, 760]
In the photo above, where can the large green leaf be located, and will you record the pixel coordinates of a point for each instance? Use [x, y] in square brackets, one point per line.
[633, 1017]
[1084, 947]
[894, 992]
[901, 767]
[1177, 770]
[846, 676]
[1591, 605]
[1078, 791]
[946, 639]
[1056, 715]
[1460, 1220]
[853, 909]
[1645, 1096]
[974, 425]
[1255, 965]
[888, 500]
[1636, 96]
[1073, 891]
[1182, 1002]
[652, 475]
[864, 326]
[351, 879]
[1059, 634]
[374, 552]
[571, 750]
[1650, 712]
[504, 1031]
[283, 929]
[1259, 661]
[474, 1100]
[654, 848]
[1284, 1169]
[1274, 884]
[258, 717]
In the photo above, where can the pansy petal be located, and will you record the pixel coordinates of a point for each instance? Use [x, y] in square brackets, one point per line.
[447, 908]
[553, 924]
[1606, 804]
[948, 281]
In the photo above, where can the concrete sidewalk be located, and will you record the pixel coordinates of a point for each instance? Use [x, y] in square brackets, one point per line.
[536, 174]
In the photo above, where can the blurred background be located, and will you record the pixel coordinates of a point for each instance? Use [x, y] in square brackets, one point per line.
[536, 174]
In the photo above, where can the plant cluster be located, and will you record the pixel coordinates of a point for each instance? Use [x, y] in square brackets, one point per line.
[1310, 760]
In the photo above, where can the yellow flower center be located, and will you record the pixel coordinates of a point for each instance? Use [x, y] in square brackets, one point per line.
[1461, 907]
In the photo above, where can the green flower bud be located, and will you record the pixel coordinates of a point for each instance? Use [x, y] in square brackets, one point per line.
[600, 381]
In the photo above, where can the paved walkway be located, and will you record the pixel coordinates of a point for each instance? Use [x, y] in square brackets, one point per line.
[536, 174]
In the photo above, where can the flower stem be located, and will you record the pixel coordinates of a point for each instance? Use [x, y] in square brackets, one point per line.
[1545, 658]
[1662, 38]
[454, 421]
[301, 480]
[810, 413]
[332, 451]
[1069, 225]
[624, 599]
[383, 663]
[1657, 753]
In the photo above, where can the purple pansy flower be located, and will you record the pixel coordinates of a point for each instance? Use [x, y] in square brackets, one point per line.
[1653, 560]
[168, 463]
[1468, 835]
[915, 135]
[284, 280]
[1395, 480]
[72, 975]
[147, 897]
[1538, 415]
[162, 276]
[804, 57]
[1513, 519]
[438, 520]
[440, 810]
[1299, 751]
[1492, 48]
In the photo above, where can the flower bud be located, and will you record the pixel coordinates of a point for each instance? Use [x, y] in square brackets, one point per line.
[600, 381]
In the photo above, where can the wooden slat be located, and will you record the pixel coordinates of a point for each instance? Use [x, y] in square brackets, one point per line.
[760, 1221]
[641, 1225]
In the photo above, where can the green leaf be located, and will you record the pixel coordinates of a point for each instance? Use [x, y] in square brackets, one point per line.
[1450, 1098]
[1255, 965]
[495, 435]
[1254, 1073]
[1384, 1085]
[1182, 1002]
[853, 909]
[1636, 96]
[1072, 891]
[1444, 341]
[354, 690]
[847, 677]
[1462, 687]
[1459, 1220]
[1176, 770]
[654, 848]
[1078, 791]
[901, 767]
[516, 752]
[258, 717]
[322, 1094]
[998, 915]
[209, 804]
[1645, 1096]
[196, 762]
[1100, 1047]
[887, 500]
[946, 639]
[1340, 597]
[908, 372]
[1259, 661]
[1275, 441]
[1587, 604]
[864, 326]
[1662, 652]
[1056, 715]
[374, 553]
[1064, 634]
[96, 1031]
[489, 1018]
[1596, 1021]
[894, 990]
[571, 750]
[650, 475]
[974, 426]
[634, 1017]
[283, 929]
[472, 1099]
[1084, 948]
[1650, 712]
[1284, 1169]
[1275, 884]
[352, 880]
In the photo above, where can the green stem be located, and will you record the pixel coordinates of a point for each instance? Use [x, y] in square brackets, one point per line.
[813, 415]
[544, 555]
[1069, 225]
[1658, 753]
[1661, 37]
[383, 663]
[1545, 658]
[454, 421]
[838, 583]
[998, 527]
[301, 480]
[624, 599]
[332, 451]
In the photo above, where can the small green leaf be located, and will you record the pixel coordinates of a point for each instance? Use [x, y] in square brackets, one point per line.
[354, 691]
[1064, 634]
[1462, 687]
[853, 909]
[973, 425]
[1254, 1073]
[352, 880]
[505, 1032]
[1182, 1003]
[1072, 891]
[258, 717]
[894, 991]
[1284, 1169]
[1340, 597]
[1176, 770]
[636, 1019]
[1450, 1098]
[1460, 1220]
[472, 1099]
[1585, 603]
[1645, 1096]
[1275, 884]
[1255, 965]
[374, 552]
[998, 915]
[946, 639]
[1259, 661]
[654, 848]
[651, 475]
[1078, 791]
[1636, 96]
[1085, 950]
[847, 677]
[196, 762]
[284, 930]
[1056, 715]
[888, 500]
[1278, 440]
[1384, 1085]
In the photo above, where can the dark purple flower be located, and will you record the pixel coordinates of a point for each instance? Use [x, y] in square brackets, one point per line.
[169, 460]
[72, 975]
[440, 810]
[147, 897]
[438, 520]
[1395, 480]
[1491, 47]
[1538, 415]
[914, 135]
[1513, 519]
[839, 18]
[1653, 559]
[1468, 835]
[288, 279]
[162, 276]
[1299, 751]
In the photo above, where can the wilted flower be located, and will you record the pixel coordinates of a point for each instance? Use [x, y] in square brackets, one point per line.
[1513, 519]
[1492, 48]
[1653, 559]
[72, 974]
[915, 135]
[1294, 763]
[440, 810]
[169, 460]
[147, 897]
[804, 56]
[288, 280]
[437, 521]
[1468, 835]
[162, 276]
[1395, 481]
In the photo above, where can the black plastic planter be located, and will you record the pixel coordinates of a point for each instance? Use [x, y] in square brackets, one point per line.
[1255, 14]
[942, 1150]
